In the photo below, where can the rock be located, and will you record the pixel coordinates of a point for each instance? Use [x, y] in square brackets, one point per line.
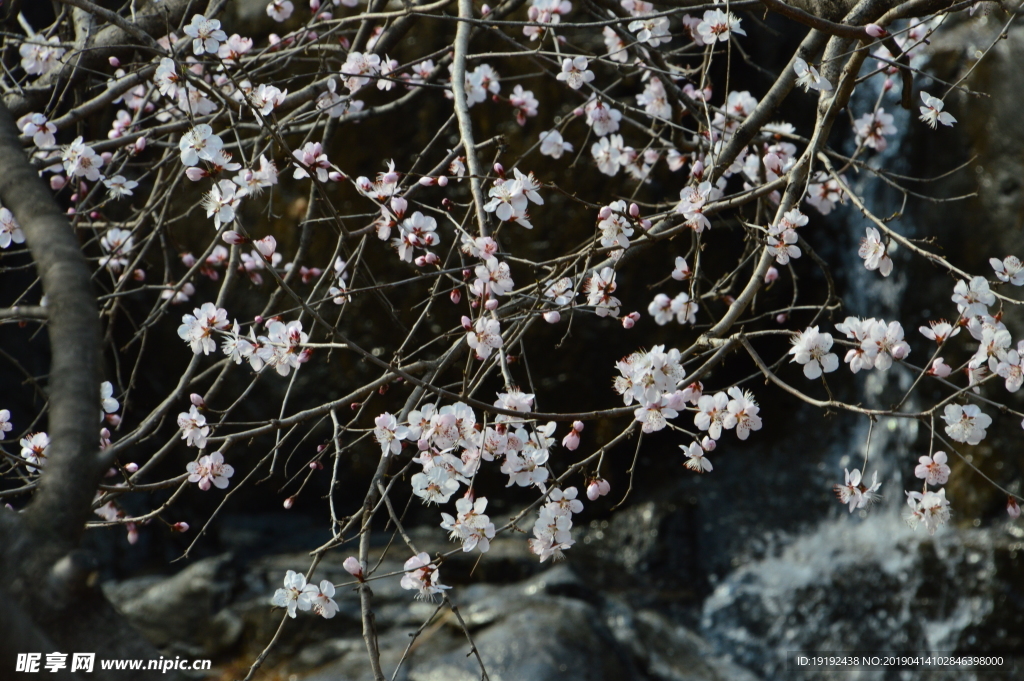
[184, 614]
[873, 586]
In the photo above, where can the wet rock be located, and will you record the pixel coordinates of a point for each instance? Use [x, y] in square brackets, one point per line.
[872, 586]
[185, 614]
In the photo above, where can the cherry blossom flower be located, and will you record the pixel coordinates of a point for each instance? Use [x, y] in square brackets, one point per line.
[199, 143]
[323, 603]
[696, 460]
[711, 413]
[116, 244]
[359, 68]
[36, 126]
[194, 430]
[743, 410]
[872, 249]
[434, 486]
[654, 99]
[1010, 269]
[551, 144]
[311, 157]
[296, 594]
[81, 161]
[932, 113]
[966, 423]
[681, 272]
[389, 434]
[210, 469]
[811, 349]
[421, 575]
[206, 34]
[1010, 367]
[471, 526]
[939, 331]
[485, 337]
[40, 56]
[285, 343]
[655, 414]
[34, 449]
[884, 343]
[929, 508]
[600, 287]
[603, 119]
[280, 10]
[824, 192]
[651, 30]
[221, 201]
[552, 534]
[10, 230]
[972, 300]
[808, 78]
[231, 51]
[940, 368]
[781, 243]
[872, 127]
[5, 423]
[197, 328]
[718, 25]
[692, 201]
[856, 493]
[118, 186]
[933, 469]
[607, 153]
[524, 103]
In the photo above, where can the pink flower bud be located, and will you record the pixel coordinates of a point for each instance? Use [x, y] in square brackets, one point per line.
[428, 181]
[552, 316]
[485, 10]
[139, 275]
[105, 434]
[232, 237]
[258, 319]
[266, 246]
[645, 224]
[131, 467]
[312, 36]
[399, 206]
[781, 318]
[422, 444]
[571, 441]
[1012, 508]
[533, 13]
[188, 260]
[133, 534]
[605, 212]
[771, 275]
[316, 466]
[106, 156]
[630, 320]
[335, 176]
[314, 5]
[475, 304]
[499, 170]
[114, 61]
[442, 181]
[180, 526]
[708, 444]
[289, 502]
[94, 214]
[446, 204]
[71, 211]
[74, 198]
[57, 182]
[888, 84]
[140, 145]
[197, 400]
[634, 210]
[195, 174]
[456, 296]
[114, 420]
[697, 171]
[420, 261]
[467, 323]
[390, 177]
[603, 486]
[491, 304]
[875, 31]
[353, 567]
[593, 490]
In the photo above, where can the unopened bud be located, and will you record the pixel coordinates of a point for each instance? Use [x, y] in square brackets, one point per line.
[781, 318]
[335, 176]
[266, 246]
[467, 323]
[140, 145]
[131, 467]
[114, 420]
[634, 210]
[605, 212]
[485, 10]
[197, 400]
[234, 238]
[499, 170]
[552, 316]
[446, 204]
[139, 274]
[289, 502]
[428, 181]
[491, 304]
[399, 206]
[771, 275]
[181, 526]
[114, 61]
[258, 319]
[442, 181]
[697, 171]
[353, 567]
[57, 182]
[456, 296]
[875, 31]
[1012, 508]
